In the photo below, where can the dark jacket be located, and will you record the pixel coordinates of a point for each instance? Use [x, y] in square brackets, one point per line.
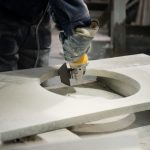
[68, 13]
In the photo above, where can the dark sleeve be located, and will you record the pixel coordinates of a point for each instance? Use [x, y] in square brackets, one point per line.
[70, 14]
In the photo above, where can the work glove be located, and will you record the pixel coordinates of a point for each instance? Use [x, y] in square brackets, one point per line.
[79, 43]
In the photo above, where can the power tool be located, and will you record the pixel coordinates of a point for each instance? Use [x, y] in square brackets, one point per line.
[73, 70]
[76, 69]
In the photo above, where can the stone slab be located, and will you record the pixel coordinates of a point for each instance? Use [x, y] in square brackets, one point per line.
[27, 108]
[90, 90]
[118, 142]
[53, 137]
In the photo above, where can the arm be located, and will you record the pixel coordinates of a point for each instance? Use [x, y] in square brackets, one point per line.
[78, 31]
[70, 14]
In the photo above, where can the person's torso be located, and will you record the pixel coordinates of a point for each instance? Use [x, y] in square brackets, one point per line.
[28, 10]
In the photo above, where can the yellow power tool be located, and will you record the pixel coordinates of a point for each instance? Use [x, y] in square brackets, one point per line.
[75, 70]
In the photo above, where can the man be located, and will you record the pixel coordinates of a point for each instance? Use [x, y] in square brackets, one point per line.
[25, 31]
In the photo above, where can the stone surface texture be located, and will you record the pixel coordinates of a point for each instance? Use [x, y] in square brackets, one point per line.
[116, 142]
[27, 108]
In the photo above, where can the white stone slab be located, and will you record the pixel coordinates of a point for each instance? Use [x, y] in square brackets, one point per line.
[53, 137]
[105, 125]
[118, 142]
[27, 109]
[62, 135]
[90, 90]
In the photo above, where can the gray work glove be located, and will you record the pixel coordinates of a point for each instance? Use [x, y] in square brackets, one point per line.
[79, 43]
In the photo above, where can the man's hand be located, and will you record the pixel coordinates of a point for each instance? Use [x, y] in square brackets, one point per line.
[79, 43]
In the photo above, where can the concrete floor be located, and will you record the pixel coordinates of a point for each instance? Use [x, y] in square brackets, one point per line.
[56, 56]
